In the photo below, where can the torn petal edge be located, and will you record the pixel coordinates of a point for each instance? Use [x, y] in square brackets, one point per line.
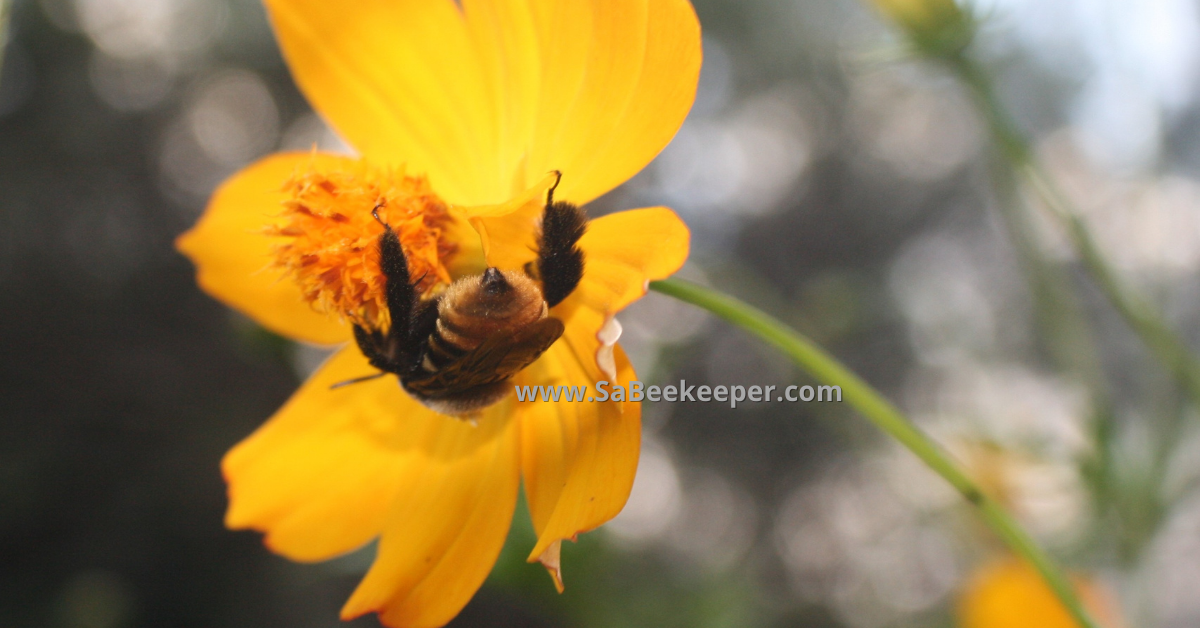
[608, 336]
[551, 559]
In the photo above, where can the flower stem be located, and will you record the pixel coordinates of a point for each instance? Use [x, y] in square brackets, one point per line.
[5, 8]
[1162, 341]
[886, 417]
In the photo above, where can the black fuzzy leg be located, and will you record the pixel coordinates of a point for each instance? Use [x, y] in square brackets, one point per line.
[387, 351]
[560, 261]
[372, 343]
[374, 347]
[401, 293]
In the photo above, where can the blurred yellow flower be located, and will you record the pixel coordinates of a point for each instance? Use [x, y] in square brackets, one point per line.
[458, 111]
[1011, 594]
[937, 26]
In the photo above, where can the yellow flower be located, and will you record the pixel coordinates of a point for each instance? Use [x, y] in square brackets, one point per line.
[458, 112]
[1010, 593]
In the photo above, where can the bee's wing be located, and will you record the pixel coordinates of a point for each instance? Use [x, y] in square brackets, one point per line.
[499, 357]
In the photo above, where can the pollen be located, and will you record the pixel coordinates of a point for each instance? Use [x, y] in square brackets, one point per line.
[330, 241]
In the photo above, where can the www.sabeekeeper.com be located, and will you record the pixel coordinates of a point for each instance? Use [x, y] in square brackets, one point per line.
[637, 391]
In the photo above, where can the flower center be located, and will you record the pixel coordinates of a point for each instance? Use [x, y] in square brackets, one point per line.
[332, 242]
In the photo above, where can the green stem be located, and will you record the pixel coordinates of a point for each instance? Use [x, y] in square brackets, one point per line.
[5, 8]
[1064, 330]
[1163, 342]
[1062, 324]
[886, 417]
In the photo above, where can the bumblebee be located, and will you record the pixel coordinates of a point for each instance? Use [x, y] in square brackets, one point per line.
[457, 353]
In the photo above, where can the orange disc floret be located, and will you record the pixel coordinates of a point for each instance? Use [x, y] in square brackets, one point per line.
[331, 246]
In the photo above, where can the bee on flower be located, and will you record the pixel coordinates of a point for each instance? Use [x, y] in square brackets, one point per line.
[450, 260]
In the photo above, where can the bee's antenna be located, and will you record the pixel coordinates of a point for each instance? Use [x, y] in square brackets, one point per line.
[557, 180]
[356, 380]
[375, 213]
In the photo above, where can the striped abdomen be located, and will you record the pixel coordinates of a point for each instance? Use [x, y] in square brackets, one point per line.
[475, 308]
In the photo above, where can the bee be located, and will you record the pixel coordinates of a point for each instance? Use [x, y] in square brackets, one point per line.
[457, 353]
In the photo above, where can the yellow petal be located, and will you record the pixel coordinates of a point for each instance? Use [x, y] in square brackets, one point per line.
[626, 250]
[319, 476]
[447, 523]
[613, 82]
[1011, 594]
[335, 468]
[507, 40]
[487, 102]
[400, 80]
[325, 453]
[231, 253]
[508, 231]
[577, 459]
[551, 559]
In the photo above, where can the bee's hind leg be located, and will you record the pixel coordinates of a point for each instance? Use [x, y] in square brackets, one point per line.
[560, 260]
[401, 292]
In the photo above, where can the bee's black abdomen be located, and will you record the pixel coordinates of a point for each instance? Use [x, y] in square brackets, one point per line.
[560, 261]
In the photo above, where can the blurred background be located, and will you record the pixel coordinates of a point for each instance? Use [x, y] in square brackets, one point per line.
[827, 176]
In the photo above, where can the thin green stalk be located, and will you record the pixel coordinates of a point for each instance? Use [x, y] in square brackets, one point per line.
[1064, 328]
[1065, 331]
[1162, 341]
[5, 8]
[886, 417]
